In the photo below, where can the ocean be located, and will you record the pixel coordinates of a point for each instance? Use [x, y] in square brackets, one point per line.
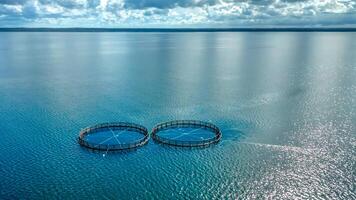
[284, 101]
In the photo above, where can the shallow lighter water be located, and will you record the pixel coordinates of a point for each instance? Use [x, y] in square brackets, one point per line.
[285, 103]
[113, 137]
[185, 134]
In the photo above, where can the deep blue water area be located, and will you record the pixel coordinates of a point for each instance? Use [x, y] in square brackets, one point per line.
[187, 134]
[113, 137]
[284, 101]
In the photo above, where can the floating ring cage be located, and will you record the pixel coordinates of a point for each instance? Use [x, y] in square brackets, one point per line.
[186, 133]
[113, 136]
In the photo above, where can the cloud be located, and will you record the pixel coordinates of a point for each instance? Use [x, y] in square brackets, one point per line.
[13, 2]
[141, 4]
[195, 13]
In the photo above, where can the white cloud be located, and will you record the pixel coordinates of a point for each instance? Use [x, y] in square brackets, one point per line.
[179, 12]
[10, 9]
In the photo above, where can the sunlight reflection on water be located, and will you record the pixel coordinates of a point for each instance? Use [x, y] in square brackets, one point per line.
[284, 101]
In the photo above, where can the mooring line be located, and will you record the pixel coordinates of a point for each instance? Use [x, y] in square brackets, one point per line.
[104, 141]
[195, 130]
[115, 136]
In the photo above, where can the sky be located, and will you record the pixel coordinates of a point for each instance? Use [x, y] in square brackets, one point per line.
[178, 13]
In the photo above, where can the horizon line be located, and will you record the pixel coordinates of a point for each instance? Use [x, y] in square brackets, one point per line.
[250, 29]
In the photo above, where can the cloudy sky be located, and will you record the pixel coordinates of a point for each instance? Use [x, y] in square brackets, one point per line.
[178, 13]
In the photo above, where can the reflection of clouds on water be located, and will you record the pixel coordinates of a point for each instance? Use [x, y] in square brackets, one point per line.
[232, 134]
[267, 98]
[263, 99]
[191, 110]
[284, 148]
[254, 103]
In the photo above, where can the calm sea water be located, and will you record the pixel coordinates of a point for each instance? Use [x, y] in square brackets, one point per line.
[285, 103]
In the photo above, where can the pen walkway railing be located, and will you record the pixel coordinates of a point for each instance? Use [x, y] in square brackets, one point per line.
[114, 126]
[186, 124]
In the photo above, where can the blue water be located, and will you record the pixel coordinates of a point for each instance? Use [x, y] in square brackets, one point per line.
[285, 103]
[186, 134]
[113, 137]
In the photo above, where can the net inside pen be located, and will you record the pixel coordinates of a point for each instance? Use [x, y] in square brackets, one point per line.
[186, 133]
[113, 136]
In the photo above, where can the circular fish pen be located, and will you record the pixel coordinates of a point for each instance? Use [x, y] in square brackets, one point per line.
[113, 136]
[186, 133]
